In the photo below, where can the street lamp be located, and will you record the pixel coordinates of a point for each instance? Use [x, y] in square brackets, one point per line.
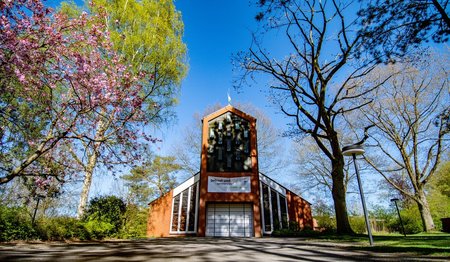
[398, 212]
[38, 198]
[354, 150]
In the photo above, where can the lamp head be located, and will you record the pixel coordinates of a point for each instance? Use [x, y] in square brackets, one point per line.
[353, 150]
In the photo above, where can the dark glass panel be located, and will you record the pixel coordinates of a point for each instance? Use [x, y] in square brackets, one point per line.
[276, 220]
[220, 154]
[175, 209]
[183, 213]
[283, 211]
[266, 208]
[192, 208]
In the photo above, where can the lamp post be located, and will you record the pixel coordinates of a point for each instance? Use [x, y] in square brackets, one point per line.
[38, 198]
[398, 212]
[354, 150]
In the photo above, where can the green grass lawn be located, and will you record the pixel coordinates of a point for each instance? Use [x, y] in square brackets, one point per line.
[435, 244]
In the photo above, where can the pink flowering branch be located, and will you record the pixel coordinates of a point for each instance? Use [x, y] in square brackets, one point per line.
[67, 70]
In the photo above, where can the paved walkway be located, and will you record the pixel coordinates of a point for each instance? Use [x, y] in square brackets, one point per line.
[197, 249]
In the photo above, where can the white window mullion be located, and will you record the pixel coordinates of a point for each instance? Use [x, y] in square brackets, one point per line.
[188, 209]
[279, 211]
[270, 208]
[287, 211]
[262, 206]
[179, 212]
[196, 206]
[171, 215]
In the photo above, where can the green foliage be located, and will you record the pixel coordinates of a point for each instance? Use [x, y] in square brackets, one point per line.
[151, 180]
[70, 9]
[358, 224]
[439, 194]
[135, 222]
[148, 33]
[379, 212]
[296, 233]
[107, 217]
[62, 228]
[411, 221]
[326, 223]
[295, 230]
[15, 224]
[106, 213]
[441, 180]
[100, 229]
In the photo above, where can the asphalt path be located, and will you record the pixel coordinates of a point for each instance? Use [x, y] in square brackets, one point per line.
[198, 249]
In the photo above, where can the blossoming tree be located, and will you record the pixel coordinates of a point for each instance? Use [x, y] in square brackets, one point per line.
[59, 76]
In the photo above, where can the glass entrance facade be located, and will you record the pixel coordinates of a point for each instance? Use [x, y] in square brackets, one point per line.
[274, 215]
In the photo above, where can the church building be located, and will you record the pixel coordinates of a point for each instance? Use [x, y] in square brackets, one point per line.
[229, 197]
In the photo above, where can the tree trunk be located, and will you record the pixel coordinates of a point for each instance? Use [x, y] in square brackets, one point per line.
[424, 209]
[340, 204]
[87, 181]
[100, 129]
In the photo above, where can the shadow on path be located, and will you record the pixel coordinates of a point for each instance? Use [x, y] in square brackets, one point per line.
[200, 249]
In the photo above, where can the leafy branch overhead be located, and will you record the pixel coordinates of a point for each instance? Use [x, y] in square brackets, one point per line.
[394, 27]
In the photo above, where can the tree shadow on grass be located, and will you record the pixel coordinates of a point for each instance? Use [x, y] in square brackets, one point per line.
[395, 249]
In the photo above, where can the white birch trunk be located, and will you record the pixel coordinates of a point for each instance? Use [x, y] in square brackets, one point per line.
[89, 168]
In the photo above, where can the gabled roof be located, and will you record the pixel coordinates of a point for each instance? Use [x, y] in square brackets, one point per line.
[231, 109]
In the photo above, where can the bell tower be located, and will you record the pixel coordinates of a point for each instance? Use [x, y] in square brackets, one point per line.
[229, 169]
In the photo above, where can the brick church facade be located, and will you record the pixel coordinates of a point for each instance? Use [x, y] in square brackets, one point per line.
[229, 196]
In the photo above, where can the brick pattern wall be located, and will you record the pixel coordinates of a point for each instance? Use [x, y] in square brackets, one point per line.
[158, 222]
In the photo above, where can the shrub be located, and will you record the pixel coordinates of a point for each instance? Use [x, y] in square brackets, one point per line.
[294, 230]
[107, 213]
[135, 222]
[411, 221]
[15, 224]
[62, 228]
[326, 223]
[99, 229]
[358, 224]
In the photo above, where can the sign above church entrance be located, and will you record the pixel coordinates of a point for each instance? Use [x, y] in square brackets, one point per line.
[229, 184]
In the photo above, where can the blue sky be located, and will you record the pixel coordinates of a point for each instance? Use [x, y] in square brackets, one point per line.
[214, 31]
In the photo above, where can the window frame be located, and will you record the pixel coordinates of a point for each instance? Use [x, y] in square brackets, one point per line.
[278, 199]
[187, 191]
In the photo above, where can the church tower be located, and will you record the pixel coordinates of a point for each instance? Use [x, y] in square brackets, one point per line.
[229, 175]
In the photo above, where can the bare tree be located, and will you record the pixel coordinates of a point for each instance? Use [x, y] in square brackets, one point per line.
[314, 169]
[409, 136]
[315, 83]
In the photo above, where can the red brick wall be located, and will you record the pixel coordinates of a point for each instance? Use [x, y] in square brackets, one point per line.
[158, 222]
[299, 210]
